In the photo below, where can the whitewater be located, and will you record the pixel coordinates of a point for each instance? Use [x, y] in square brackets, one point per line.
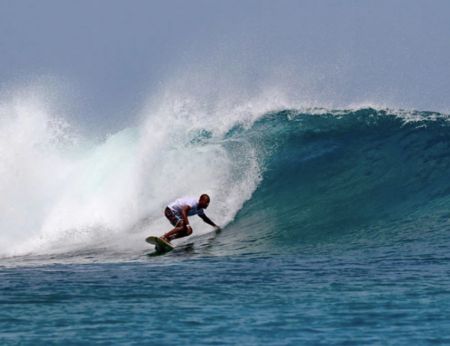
[334, 225]
[58, 185]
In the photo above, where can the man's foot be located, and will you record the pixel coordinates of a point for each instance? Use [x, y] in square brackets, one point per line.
[165, 239]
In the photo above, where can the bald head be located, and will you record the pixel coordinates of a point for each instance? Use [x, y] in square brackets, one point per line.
[204, 201]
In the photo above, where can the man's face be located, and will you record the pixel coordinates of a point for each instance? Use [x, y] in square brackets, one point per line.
[203, 203]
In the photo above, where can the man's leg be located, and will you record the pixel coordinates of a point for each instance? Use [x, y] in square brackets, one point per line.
[178, 232]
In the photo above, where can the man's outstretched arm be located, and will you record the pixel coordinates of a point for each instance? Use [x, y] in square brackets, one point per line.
[208, 221]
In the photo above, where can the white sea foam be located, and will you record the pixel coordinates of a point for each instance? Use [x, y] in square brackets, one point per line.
[61, 192]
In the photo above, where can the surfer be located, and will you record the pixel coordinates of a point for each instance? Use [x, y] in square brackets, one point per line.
[177, 213]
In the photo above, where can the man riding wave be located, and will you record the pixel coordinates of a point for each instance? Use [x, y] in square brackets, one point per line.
[177, 213]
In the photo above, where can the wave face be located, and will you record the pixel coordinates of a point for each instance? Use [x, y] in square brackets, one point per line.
[288, 178]
[348, 177]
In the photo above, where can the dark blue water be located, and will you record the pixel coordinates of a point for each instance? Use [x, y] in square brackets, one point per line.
[344, 242]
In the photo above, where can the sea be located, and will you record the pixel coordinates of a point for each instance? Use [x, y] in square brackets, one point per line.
[334, 228]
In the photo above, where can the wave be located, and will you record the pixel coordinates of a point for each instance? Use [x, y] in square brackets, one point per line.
[347, 176]
[277, 178]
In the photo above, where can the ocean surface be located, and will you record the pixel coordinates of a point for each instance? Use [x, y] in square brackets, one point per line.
[335, 229]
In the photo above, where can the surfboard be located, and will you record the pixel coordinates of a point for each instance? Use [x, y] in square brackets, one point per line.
[160, 245]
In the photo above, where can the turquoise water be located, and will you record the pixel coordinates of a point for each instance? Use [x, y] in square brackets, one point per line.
[362, 297]
[344, 241]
